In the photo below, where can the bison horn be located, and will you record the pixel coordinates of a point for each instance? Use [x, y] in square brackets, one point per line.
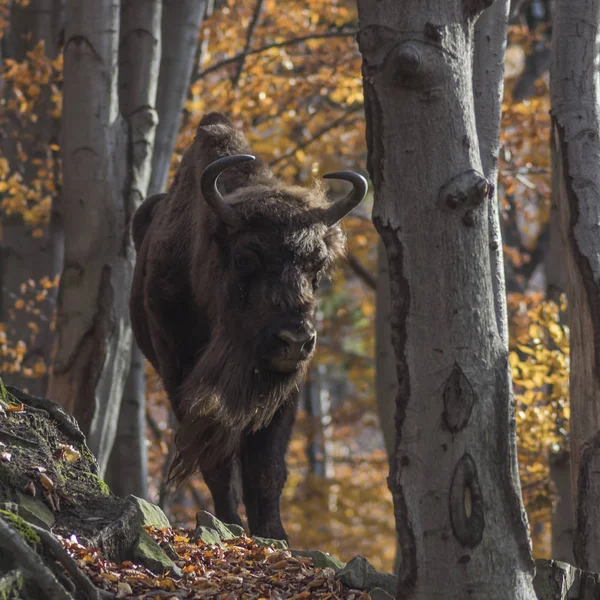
[210, 191]
[340, 209]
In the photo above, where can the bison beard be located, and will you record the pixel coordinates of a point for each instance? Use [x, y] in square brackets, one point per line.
[222, 304]
[226, 396]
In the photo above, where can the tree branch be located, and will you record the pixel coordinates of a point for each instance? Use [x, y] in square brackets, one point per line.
[283, 44]
[362, 272]
[251, 29]
[318, 135]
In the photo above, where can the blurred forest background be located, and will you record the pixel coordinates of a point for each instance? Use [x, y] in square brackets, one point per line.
[290, 72]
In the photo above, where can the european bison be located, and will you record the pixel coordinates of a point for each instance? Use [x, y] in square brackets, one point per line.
[223, 303]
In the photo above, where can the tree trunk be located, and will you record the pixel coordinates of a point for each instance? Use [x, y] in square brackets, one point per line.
[454, 477]
[179, 35]
[576, 147]
[488, 90]
[386, 382]
[106, 169]
[23, 256]
[562, 515]
[128, 466]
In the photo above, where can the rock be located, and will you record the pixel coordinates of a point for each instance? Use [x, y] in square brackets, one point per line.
[118, 539]
[207, 535]
[380, 594]
[35, 511]
[205, 519]
[123, 590]
[151, 515]
[271, 543]
[555, 580]
[360, 574]
[236, 530]
[321, 560]
[152, 556]
[13, 584]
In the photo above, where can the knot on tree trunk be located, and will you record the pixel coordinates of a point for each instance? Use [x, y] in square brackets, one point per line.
[466, 503]
[465, 193]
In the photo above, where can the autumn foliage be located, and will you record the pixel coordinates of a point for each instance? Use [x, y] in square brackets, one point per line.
[291, 73]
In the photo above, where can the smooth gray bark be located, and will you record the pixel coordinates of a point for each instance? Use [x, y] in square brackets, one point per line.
[180, 33]
[139, 57]
[460, 520]
[576, 146]
[180, 25]
[488, 89]
[128, 465]
[24, 257]
[107, 154]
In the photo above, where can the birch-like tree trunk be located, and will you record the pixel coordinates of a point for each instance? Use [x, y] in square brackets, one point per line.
[461, 525]
[107, 157]
[180, 25]
[576, 147]
[25, 257]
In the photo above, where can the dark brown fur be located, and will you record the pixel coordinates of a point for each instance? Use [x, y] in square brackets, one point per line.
[201, 324]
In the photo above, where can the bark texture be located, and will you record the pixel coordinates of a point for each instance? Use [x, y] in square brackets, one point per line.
[488, 89]
[454, 476]
[23, 256]
[180, 24]
[107, 154]
[386, 382]
[180, 33]
[576, 147]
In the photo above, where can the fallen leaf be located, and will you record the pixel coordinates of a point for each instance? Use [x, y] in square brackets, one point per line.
[5, 456]
[30, 489]
[16, 407]
[67, 452]
[46, 481]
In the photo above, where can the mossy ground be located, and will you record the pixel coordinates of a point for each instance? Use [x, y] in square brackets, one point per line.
[79, 499]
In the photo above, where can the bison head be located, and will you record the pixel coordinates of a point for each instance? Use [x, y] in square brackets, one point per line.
[276, 243]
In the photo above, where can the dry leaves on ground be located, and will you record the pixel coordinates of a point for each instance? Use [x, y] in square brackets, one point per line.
[239, 569]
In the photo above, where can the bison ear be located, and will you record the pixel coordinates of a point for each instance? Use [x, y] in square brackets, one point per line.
[336, 212]
[210, 191]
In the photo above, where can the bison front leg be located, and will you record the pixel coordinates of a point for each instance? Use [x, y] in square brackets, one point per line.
[264, 472]
[223, 483]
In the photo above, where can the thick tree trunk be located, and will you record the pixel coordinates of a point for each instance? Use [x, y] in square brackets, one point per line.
[576, 147]
[106, 169]
[454, 478]
[25, 257]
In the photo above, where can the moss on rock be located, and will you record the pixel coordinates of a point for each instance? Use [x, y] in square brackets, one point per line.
[28, 534]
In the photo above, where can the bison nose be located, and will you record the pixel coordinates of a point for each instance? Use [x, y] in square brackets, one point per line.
[298, 344]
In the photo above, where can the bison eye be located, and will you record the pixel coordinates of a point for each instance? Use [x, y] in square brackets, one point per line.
[246, 263]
